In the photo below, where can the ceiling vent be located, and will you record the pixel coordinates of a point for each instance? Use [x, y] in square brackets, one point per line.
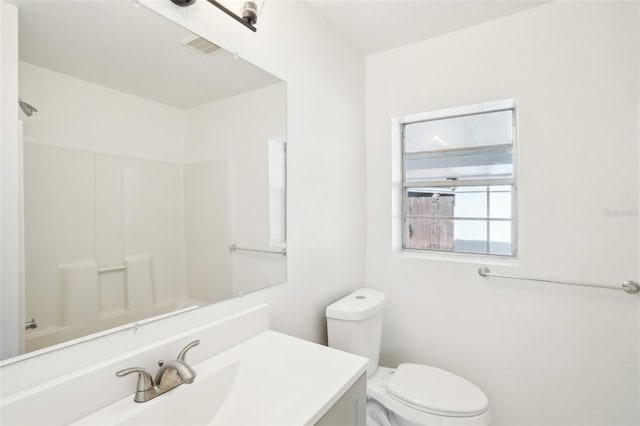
[201, 45]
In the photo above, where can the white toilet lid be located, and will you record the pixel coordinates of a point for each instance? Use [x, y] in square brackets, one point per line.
[434, 390]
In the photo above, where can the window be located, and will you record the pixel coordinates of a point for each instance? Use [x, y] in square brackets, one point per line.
[459, 180]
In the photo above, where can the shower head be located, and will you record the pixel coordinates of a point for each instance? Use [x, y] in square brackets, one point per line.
[29, 110]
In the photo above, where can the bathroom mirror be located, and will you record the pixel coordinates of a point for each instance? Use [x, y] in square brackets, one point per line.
[154, 169]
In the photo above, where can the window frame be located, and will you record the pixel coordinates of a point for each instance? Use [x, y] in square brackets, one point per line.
[456, 112]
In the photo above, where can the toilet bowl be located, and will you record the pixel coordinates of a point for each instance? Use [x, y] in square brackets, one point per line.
[411, 394]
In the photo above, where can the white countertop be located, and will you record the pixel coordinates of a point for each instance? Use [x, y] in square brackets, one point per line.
[270, 379]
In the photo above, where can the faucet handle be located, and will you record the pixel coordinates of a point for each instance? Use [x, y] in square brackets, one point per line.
[145, 381]
[184, 350]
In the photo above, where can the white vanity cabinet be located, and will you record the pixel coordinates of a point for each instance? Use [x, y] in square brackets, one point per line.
[246, 374]
[271, 378]
[350, 409]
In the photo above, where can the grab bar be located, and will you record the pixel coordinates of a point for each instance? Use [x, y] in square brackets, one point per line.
[628, 286]
[112, 269]
[234, 247]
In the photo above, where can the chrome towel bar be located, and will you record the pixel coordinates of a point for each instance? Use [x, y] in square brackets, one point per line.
[234, 247]
[628, 286]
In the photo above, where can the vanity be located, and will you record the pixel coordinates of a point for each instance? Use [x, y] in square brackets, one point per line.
[262, 378]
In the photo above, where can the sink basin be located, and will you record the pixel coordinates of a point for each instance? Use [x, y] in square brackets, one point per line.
[194, 404]
[270, 379]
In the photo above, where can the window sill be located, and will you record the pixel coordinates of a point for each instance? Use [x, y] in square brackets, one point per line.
[478, 259]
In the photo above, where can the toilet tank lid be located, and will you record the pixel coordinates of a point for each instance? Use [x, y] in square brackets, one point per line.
[359, 305]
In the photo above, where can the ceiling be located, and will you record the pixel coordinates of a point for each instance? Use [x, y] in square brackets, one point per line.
[374, 26]
[131, 49]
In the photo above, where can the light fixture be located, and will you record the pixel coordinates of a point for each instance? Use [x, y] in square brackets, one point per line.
[249, 11]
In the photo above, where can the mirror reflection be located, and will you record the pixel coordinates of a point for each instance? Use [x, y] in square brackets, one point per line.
[154, 169]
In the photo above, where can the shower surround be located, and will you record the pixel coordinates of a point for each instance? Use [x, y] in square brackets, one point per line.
[118, 241]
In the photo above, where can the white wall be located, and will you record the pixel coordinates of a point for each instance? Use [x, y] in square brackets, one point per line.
[146, 129]
[544, 353]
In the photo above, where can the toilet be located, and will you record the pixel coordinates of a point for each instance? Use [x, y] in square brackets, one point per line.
[411, 394]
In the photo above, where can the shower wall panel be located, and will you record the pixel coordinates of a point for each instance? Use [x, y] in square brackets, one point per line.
[153, 222]
[109, 232]
[59, 210]
[87, 211]
[206, 207]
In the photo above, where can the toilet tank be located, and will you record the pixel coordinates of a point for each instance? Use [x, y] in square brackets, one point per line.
[354, 324]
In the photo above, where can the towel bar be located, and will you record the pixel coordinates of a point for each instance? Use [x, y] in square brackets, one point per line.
[628, 286]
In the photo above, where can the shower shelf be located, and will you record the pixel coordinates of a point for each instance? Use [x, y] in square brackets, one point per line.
[234, 247]
[112, 269]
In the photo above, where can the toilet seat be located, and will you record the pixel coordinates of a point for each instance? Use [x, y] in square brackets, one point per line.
[436, 391]
[417, 414]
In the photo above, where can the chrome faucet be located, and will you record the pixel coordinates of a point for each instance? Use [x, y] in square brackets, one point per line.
[170, 375]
